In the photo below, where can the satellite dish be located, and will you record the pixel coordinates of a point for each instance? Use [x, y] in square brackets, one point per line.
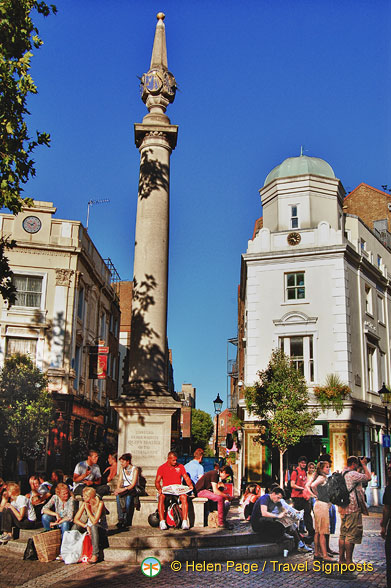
[389, 206]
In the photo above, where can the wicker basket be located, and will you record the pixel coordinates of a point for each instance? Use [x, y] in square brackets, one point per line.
[48, 545]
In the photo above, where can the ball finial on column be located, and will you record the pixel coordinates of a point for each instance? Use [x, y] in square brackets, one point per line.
[160, 16]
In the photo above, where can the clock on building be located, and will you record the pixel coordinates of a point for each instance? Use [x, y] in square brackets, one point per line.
[293, 238]
[32, 224]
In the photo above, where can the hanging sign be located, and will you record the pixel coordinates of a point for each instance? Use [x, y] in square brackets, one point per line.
[98, 362]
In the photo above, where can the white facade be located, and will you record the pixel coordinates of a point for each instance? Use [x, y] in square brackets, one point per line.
[312, 288]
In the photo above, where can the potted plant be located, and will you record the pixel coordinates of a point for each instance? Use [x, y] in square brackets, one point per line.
[332, 394]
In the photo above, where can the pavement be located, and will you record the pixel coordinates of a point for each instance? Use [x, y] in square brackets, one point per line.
[298, 568]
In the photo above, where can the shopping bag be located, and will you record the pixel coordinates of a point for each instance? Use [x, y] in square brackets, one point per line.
[87, 549]
[72, 546]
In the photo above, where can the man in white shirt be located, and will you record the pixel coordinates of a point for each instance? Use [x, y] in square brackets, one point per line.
[87, 473]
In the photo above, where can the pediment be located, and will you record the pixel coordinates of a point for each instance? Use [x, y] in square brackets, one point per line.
[295, 317]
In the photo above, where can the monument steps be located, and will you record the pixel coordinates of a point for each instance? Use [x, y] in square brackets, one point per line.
[207, 545]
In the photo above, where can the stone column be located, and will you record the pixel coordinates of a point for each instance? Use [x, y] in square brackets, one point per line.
[146, 405]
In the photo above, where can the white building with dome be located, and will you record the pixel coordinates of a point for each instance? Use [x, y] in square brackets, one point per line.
[314, 282]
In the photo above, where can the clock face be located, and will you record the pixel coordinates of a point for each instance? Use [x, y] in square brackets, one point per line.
[293, 238]
[169, 83]
[152, 81]
[32, 224]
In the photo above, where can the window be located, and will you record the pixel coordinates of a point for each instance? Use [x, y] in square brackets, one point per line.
[380, 309]
[102, 329]
[379, 261]
[368, 300]
[363, 245]
[80, 304]
[372, 368]
[294, 217]
[77, 367]
[29, 291]
[295, 289]
[20, 345]
[301, 353]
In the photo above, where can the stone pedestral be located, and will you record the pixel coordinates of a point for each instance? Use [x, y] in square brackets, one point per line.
[145, 431]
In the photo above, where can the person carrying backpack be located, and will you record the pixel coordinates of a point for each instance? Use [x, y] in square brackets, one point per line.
[351, 516]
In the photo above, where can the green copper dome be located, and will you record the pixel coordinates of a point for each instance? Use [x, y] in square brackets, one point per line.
[300, 166]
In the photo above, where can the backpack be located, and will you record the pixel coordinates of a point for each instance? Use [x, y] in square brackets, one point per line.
[30, 551]
[337, 489]
[174, 515]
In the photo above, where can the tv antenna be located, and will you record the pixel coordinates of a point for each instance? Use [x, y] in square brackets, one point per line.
[91, 203]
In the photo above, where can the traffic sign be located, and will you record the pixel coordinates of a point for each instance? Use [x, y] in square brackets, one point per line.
[386, 441]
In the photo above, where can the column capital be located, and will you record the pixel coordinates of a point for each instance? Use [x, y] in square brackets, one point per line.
[160, 133]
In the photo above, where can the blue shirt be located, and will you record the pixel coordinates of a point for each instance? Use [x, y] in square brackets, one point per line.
[195, 470]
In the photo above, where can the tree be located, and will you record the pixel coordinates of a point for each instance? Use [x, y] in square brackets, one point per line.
[201, 428]
[18, 36]
[26, 407]
[280, 400]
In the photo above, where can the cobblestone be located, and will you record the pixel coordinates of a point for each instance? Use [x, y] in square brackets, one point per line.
[19, 573]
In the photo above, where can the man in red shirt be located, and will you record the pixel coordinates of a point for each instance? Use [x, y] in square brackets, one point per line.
[169, 473]
[298, 482]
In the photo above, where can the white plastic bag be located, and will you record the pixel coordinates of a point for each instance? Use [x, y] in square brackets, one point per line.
[72, 546]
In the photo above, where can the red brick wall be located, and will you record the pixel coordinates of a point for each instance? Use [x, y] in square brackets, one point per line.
[369, 204]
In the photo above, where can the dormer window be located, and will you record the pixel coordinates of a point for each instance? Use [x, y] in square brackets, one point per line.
[294, 217]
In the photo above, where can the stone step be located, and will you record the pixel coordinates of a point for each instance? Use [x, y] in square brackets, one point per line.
[180, 539]
[196, 554]
[135, 545]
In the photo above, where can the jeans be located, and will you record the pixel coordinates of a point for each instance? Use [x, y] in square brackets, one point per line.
[9, 520]
[222, 504]
[98, 537]
[47, 519]
[300, 503]
[387, 547]
[124, 504]
[269, 529]
[333, 519]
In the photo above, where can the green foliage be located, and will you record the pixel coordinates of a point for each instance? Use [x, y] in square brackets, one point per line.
[332, 394]
[280, 400]
[26, 407]
[7, 288]
[201, 428]
[18, 36]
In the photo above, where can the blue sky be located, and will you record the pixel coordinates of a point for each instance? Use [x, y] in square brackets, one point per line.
[257, 80]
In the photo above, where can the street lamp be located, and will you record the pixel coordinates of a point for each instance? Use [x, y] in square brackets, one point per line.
[218, 403]
[385, 396]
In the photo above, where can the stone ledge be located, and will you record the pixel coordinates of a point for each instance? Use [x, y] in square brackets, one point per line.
[149, 505]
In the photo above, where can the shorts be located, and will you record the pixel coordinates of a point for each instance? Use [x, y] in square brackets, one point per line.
[351, 527]
[322, 518]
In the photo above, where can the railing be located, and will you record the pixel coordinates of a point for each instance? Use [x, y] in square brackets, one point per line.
[384, 236]
[232, 367]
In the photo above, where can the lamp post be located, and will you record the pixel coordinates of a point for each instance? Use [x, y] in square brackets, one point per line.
[218, 403]
[385, 396]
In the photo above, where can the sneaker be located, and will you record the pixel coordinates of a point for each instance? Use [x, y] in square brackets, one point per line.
[185, 525]
[226, 525]
[5, 537]
[163, 525]
[304, 548]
